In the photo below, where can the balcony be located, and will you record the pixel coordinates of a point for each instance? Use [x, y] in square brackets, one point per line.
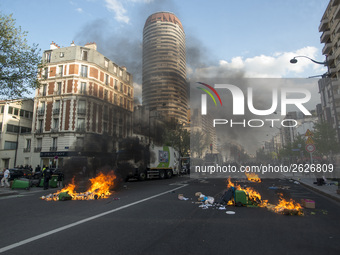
[327, 48]
[56, 111]
[325, 36]
[54, 130]
[58, 92]
[80, 130]
[53, 148]
[39, 131]
[324, 25]
[27, 150]
[37, 149]
[336, 14]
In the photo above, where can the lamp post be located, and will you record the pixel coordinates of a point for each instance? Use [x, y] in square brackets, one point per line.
[294, 60]
[17, 144]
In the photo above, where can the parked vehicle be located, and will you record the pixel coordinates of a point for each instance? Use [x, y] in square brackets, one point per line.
[16, 173]
[147, 161]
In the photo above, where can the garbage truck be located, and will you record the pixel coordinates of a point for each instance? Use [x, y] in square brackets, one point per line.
[147, 161]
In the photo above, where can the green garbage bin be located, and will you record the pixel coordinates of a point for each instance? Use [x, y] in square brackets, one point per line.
[21, 184]
[53, 183]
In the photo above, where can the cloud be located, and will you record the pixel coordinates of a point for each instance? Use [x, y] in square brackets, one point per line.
[80, 10]
[276, 65]
[120, 11]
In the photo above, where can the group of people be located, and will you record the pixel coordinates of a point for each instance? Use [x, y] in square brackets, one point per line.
[46, 174]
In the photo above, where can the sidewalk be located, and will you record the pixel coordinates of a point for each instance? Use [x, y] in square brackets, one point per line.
[329, 189]
[12, 192]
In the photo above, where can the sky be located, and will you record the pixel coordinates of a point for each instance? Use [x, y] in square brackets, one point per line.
[253, 38]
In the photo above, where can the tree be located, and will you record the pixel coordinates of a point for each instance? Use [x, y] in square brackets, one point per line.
[325, 138]
[177, 136]
[19, 62]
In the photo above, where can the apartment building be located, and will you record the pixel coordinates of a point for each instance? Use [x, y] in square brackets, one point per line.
[165, 88]
[329, 87]
[83, 107]
[15, 129]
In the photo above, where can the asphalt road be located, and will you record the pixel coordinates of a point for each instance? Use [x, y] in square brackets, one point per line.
[149, 218]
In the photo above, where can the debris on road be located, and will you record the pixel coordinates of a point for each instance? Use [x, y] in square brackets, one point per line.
[181, 197]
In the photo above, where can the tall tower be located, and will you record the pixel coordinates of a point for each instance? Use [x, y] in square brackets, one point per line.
[164, 66]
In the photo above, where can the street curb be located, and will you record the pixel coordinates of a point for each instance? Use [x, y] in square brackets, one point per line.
[9, 193]
[320, 191]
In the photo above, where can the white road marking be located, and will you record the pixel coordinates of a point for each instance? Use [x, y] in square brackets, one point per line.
[34, 238]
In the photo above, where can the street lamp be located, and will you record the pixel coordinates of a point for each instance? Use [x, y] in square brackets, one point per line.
[16, 147]
[294, 60]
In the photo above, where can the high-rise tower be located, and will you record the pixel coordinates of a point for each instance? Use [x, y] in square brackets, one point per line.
[164, 66]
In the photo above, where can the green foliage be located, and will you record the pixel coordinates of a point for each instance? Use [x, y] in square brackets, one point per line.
[325, 138]
[177, 136]
[19, 62]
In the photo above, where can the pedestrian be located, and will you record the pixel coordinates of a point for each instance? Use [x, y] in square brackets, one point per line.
[5, 178]
[47, 176]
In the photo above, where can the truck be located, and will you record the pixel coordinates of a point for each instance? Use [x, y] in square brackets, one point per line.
[147, 161]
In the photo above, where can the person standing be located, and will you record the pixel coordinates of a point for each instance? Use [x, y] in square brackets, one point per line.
[5, 178]
[47, 175]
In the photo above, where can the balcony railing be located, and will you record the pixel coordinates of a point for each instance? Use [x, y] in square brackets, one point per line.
[53, 148]
[54, 130]
[37, 149]
[56, 111]
[80, 129]
[41, 112]
[27, 149]
[38, 131]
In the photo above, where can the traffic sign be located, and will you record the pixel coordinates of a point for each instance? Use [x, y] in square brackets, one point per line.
[310, 148]
[309, 140]
[309, 133]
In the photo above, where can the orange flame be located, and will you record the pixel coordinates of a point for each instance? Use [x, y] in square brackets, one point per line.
[252, 176]
[252, 194]
[100, 188]
[287, 207]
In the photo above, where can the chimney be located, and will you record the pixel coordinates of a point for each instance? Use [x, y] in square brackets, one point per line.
[91, 45]
[54, 46]
[72, 43]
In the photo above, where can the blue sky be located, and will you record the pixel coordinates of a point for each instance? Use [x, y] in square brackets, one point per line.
[258, 37]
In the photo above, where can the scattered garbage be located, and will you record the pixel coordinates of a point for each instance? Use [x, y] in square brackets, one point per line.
[230, 212]
[308, 203]
[181, 197]
[204, 199]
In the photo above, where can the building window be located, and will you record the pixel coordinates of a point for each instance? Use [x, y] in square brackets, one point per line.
[25, 130]
[60, 71]
[12, 129]
[84, 55]
[55, 124]
[106, 63]
[83, 71]
[45, 73]
[10, 110]
[28, 145]
[16, 112]
[44, 90]
[39, 144]
[58, 92]
[40, 126]
[2, 108]
[10, 145]
[54, 144]
[83, 88]
[106, 79]
[47, 57]
[81, 107]
[81, 125]
[116, 84]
